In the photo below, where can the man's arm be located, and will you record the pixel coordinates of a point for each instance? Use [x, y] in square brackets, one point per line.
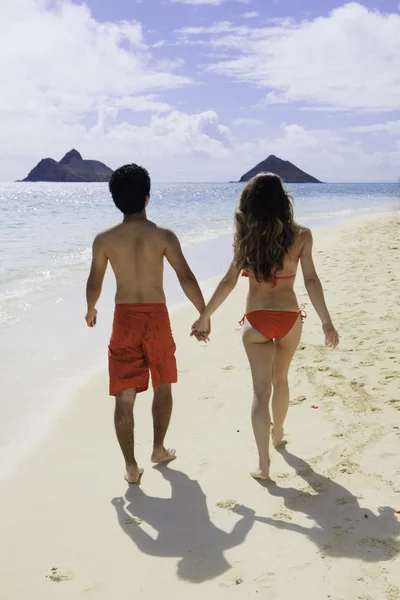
[224, 288]
[175, 257]
[95, 280]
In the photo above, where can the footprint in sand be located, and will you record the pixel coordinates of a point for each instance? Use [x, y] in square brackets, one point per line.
[336, 375]
[133, 521]
[227, 504]
[265, 581]
[298, 400]
[58, 576]
[345, 501]
[237, 581]
[283, 515]
[356, 385]
[349, 467]
[389, 547]
[394, 375]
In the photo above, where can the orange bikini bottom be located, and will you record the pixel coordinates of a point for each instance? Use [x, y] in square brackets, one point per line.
[273, 324]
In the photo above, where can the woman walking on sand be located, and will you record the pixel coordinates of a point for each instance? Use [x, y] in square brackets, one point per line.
[268, 246]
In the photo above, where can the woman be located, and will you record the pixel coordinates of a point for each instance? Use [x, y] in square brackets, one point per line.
[268, 246]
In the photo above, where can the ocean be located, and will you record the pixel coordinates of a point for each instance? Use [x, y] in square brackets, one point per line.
[46, 232]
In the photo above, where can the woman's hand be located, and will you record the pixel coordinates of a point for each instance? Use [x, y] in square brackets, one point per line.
[201, 329]
[331, 335]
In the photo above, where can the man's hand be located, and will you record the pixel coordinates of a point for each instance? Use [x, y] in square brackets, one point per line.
[91, 317]
[331, 335]
[201, 329]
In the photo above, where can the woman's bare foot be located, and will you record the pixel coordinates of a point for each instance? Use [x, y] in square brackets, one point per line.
[133, 475]
[261, 472]
[163, 455]
[277, 436]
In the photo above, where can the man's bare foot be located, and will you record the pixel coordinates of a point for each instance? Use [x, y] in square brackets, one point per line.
[163, 455]
[277, 435]
[133, 475]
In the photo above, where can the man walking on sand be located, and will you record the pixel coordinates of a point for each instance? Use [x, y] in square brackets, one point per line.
[141, 339]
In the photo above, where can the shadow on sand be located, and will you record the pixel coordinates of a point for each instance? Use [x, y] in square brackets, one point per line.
[183, 526]
[339, 527]
[342, 527]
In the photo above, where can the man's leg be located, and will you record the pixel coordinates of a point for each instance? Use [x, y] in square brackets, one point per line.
[162, 409]
[124, 426]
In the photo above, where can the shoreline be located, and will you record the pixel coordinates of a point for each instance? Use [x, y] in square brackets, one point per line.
[86, 533]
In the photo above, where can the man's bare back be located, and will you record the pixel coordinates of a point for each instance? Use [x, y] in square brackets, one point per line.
[136, 249]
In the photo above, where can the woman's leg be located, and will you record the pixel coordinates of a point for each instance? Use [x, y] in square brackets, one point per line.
[284, 351]
[260, 353]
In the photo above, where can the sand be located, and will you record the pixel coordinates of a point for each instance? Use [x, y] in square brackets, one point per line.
[325, 527]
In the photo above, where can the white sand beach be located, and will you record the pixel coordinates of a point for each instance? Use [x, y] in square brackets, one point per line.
[326, 526]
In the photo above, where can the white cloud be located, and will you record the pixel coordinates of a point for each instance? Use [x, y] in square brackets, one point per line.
[247, 121]
[60, 59]
[275, 98]
[71, 81]
[347, 60]
[208, 2]
[391, 127]
[198, 2]
[68, 80]
[215, 28]
[251, 15]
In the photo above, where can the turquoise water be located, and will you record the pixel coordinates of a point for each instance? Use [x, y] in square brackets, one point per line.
[47, 229]
[46, 232]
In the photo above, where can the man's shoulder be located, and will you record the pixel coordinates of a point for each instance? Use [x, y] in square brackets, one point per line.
[168, 235]
[102, 236]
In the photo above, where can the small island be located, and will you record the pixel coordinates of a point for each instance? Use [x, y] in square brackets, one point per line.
[71, 168]
[285, 169]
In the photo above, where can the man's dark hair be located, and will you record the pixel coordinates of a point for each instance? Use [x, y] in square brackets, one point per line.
[130, 186]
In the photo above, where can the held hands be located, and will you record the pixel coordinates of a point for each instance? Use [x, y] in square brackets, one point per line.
[331, 335]
[91, 317]
[201, 329]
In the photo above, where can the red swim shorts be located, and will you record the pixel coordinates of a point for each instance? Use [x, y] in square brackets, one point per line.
[141, 342]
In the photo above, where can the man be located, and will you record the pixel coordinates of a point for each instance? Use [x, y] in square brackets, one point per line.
[141, 340]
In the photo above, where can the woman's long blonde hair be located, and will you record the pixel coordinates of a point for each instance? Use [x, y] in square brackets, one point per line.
[264, 227]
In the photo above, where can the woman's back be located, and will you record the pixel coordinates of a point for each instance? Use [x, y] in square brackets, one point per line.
[278, 292]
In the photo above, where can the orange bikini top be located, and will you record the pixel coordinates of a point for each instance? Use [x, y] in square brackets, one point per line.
[273, 277]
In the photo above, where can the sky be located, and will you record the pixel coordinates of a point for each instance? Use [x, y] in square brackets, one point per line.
[202, 90]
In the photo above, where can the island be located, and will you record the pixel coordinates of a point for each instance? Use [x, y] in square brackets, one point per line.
[71, 168]
[285, 169]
